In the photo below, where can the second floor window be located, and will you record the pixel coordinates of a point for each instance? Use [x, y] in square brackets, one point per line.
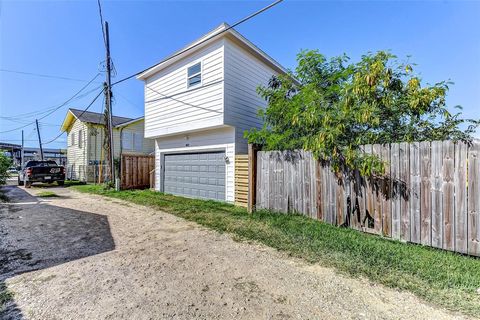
[194, 75]
[72, 139]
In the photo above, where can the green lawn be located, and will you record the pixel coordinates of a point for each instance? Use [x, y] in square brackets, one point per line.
[47, 194]
[443, 278]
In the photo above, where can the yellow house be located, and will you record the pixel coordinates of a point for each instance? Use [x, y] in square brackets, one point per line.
[85, 137]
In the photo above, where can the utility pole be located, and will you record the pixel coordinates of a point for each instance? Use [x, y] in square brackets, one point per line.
[21, 153]
[108, 99]
[39, 140]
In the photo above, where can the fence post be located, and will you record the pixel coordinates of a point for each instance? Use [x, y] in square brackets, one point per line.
[252, 176]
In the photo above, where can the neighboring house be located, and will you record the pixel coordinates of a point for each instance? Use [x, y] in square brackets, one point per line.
[198, 104]
[85, 137]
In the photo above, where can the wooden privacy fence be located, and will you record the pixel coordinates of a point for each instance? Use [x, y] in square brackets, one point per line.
[136, 171]
[241, 180]
[430, 193]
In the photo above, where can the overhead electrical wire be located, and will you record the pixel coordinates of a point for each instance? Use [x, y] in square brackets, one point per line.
[203, 41]
[55, 108]
[182, 102]
[43, 111]
[85, 110]
[42, 75]
[51, 110]
[101, 22]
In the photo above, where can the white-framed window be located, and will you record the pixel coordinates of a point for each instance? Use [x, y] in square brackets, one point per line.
[127, 140]
[132, 141]
[72, 139]
[80, 138]
[138, 142]
[194, 75]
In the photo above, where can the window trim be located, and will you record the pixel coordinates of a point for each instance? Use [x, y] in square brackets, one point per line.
[80, 139]
[195, 74]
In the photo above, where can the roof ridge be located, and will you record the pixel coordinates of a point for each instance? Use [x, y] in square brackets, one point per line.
[99, 113]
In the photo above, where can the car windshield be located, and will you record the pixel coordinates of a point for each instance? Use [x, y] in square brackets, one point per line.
[49, 163]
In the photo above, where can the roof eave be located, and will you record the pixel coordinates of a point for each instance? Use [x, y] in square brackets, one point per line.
[124, 124]
[211, 38]
[67, 121]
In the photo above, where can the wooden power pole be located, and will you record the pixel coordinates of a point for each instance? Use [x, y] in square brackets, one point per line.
[39, 140]
[108, 101]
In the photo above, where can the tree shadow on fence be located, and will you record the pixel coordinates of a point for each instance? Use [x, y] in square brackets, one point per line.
[354, 186]
[36, 235]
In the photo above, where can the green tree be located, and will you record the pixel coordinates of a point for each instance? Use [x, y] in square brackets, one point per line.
[5, 163]
[332, 107]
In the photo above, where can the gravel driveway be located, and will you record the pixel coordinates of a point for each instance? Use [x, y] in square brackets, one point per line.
[81, 256]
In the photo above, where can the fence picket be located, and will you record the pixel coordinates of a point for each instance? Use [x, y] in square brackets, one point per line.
[436, 178]
[414, 195]
[425, 194]
[377, 197]
[460, 182]
[473, 199]
[396, 189]
[448, 199]
[404, 165]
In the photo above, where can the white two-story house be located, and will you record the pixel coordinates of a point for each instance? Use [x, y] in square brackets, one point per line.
[198, 103]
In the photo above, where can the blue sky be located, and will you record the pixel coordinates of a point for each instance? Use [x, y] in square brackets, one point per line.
[64, 39]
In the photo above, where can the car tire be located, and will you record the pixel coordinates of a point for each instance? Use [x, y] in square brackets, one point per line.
[20, 182]
[61, 183]
[28, 184]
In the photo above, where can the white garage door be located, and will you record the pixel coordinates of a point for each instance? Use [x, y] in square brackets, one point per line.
[197, 175]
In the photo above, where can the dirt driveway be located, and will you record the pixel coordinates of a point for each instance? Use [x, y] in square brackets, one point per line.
[80, 256]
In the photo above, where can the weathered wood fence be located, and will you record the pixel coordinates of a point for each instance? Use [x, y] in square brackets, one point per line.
[135, 171]
[430, 194]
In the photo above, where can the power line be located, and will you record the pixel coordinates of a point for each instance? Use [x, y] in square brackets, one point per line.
[42, 75]
[203, 41]
[42, 111]
[55, 108]
[101, 22]
[183, 102]
[85, 110]
[27, 121]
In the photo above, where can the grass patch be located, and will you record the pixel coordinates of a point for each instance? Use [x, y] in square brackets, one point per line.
[5, 296]
[72, 183]
[67, 183]
[47, 194]
[444, 278]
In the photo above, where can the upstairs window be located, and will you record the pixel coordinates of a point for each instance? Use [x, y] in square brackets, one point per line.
[194, 75]
[72, 139]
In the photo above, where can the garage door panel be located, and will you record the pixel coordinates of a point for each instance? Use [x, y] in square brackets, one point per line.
[199, 175]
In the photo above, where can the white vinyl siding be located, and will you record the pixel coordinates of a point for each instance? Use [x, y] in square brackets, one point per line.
[221, 139]
[243, 74]
[171, 107]
[76, 156]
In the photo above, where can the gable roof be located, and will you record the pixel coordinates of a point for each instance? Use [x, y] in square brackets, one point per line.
[92, 117]
[223, 30]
